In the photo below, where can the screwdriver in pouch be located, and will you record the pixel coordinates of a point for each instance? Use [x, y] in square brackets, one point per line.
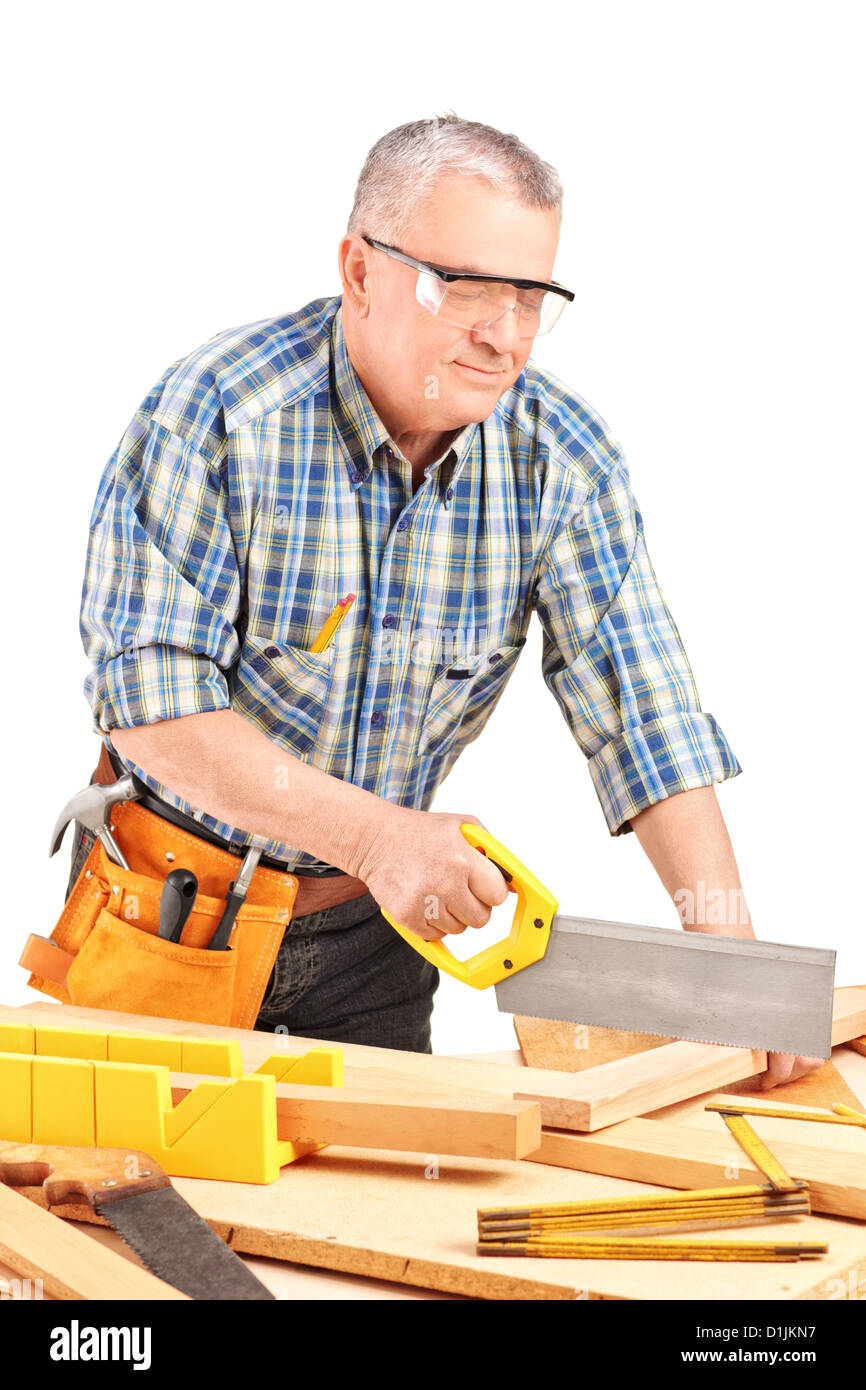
[234, 898]
[176, 903]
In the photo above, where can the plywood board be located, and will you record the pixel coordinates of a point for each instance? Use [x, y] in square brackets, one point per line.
[400, 1217]
[557, 1046]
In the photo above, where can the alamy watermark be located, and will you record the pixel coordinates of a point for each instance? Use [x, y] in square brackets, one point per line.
[711, 907]
[431, 646]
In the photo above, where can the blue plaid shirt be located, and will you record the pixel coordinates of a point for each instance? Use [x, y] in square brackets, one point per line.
[256, 485]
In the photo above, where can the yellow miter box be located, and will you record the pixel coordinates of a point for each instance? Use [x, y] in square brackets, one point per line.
[113, 1090]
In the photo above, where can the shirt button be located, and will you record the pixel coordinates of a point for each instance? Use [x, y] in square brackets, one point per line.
[494, 656]
[272, 651]
[357, 476]
[389, 620]
[376, 717]
[403, 523]
[450, 493]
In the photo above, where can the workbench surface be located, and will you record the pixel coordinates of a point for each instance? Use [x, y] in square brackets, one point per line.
[291, 1281]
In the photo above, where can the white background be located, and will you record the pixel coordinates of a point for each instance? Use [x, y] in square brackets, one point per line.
[178, 169]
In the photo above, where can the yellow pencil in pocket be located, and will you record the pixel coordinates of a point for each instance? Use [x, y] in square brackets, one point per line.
[332, 622]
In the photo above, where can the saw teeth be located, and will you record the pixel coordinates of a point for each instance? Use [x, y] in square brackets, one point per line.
[145, 1259]
[154, 1265]
[650, 1033]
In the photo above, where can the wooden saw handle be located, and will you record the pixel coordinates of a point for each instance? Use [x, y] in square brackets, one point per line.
[69, 1174]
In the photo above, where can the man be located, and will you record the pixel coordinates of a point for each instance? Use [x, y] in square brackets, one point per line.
[397, 443]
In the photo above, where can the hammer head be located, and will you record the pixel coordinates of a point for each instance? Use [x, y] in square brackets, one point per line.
[92, 806]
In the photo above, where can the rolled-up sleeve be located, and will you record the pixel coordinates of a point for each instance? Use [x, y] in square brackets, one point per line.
[615, 662]
[161, 590]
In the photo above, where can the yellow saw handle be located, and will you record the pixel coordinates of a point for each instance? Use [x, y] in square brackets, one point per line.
[530, 926]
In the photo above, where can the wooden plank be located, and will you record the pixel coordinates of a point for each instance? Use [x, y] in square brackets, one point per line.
[554, 1045]
[583, 1101]
[479, 1127]
[631, 1086]
[691, 1111]
[658, 1151]
[618, 1090]
[831, 1138]
[396, 1217]
[71, 1265]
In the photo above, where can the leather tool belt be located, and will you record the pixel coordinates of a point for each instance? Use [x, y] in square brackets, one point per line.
[105, 951]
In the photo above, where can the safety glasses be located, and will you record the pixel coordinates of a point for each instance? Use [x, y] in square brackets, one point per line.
[473, 301]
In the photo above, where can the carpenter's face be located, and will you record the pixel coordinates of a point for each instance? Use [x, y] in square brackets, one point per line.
[447, 376]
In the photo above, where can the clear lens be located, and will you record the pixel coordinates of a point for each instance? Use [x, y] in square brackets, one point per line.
[476, 304]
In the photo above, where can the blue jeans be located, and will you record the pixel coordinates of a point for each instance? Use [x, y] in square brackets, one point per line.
[344, 975]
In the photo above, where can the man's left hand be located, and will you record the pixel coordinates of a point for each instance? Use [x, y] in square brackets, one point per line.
[785, 1066]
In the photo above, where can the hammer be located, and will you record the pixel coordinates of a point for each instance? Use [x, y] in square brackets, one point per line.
[92, 808]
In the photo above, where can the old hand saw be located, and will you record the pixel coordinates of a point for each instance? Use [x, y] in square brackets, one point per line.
[666, 981]
[130, 1191]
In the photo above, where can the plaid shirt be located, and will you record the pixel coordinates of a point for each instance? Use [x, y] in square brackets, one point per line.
[256, 485]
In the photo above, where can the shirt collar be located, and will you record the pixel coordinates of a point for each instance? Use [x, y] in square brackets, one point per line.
[365, 434]
[360, 426]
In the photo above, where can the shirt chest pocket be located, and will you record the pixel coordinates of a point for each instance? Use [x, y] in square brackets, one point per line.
[462, 699]
[283, 689]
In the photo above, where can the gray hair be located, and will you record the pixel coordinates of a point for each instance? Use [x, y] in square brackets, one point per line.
[402, 167]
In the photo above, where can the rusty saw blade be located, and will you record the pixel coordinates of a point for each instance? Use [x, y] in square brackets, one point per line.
[136, 1198]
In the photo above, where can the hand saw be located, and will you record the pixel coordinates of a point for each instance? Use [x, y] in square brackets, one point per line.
[663, 981]
[133, 1194]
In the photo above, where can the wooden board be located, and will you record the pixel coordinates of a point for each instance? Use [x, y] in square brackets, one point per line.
[614, 1091]
[633, 1085]
[679, 1155]
[388, 1217]
[473, 1126]
[692, 1111]
[830, 1138]
[584, 1101]
[37, 1245]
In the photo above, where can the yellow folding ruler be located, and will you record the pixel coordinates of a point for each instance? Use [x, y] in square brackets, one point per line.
[755, 1148]
[844, 1114]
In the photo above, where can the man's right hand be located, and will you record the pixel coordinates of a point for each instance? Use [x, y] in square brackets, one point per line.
[425, 874]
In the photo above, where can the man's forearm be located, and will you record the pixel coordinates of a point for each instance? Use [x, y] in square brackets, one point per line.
[222, 764]
[686, 840]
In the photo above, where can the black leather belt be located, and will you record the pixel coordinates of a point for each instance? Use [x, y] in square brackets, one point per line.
[152, 802]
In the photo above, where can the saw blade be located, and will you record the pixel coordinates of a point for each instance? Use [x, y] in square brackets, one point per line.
[179, 1247]
[680, 984]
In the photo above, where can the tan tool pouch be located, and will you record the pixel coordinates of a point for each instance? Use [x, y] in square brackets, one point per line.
[106, 953]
